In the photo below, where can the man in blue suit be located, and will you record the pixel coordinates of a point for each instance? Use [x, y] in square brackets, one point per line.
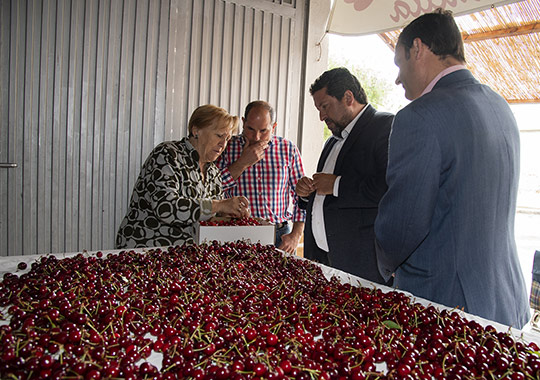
[445, 227]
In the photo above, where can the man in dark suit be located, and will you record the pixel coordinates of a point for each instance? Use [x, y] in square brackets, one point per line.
[446, 225]
[343, 196]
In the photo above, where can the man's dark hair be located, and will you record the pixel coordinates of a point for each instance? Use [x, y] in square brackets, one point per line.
[264, 105]
[336, 82]
[437, 30]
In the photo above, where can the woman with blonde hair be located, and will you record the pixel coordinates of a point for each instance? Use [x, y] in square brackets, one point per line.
[179, 185]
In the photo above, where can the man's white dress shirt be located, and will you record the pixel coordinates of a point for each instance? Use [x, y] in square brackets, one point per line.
[317, 213]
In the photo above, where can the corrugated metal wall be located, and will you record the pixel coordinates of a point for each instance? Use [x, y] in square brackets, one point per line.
[89, 87]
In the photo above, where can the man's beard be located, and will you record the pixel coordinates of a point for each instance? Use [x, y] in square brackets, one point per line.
[335, 128]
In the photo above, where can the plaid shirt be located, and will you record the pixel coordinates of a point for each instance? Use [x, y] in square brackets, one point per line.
[269, 184]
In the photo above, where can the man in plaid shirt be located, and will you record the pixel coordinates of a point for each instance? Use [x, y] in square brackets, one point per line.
[265, 169]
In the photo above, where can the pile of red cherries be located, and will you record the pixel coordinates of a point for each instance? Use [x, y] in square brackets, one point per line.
[247, 221]
[233, 311]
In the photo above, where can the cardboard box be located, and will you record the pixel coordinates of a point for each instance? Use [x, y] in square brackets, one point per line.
[264, 234]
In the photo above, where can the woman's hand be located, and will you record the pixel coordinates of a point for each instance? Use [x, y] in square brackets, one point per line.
[237, 207]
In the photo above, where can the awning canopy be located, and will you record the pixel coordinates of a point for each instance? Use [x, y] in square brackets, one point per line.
[502, 44]
[359, 17]
[502, 49]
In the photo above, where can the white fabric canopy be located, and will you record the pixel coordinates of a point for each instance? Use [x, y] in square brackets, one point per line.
[359, 17]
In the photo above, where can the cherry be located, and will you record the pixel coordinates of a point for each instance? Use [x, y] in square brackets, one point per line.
[234, 311]
[260, 369]
[92, 374]
[247, 221]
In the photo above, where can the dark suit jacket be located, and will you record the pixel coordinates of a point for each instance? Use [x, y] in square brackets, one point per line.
[446, 223]
[349, 218]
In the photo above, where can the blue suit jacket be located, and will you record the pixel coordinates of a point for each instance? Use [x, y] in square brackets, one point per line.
[446, 224]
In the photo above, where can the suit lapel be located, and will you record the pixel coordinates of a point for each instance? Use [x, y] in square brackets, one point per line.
[354, 135]
[326, 151]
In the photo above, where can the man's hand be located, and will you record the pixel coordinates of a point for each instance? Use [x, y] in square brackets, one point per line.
[290, 241]
[304, 187]
[251, 154]
[324, 183]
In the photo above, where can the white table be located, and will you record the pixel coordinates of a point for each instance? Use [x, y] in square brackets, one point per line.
[9, 264]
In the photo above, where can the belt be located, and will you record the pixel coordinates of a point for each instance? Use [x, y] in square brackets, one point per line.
[281, 225]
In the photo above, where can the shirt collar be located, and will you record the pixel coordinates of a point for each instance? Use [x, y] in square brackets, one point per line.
[443, 73]
[188, 143]
[191, 149]
[345, 133]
